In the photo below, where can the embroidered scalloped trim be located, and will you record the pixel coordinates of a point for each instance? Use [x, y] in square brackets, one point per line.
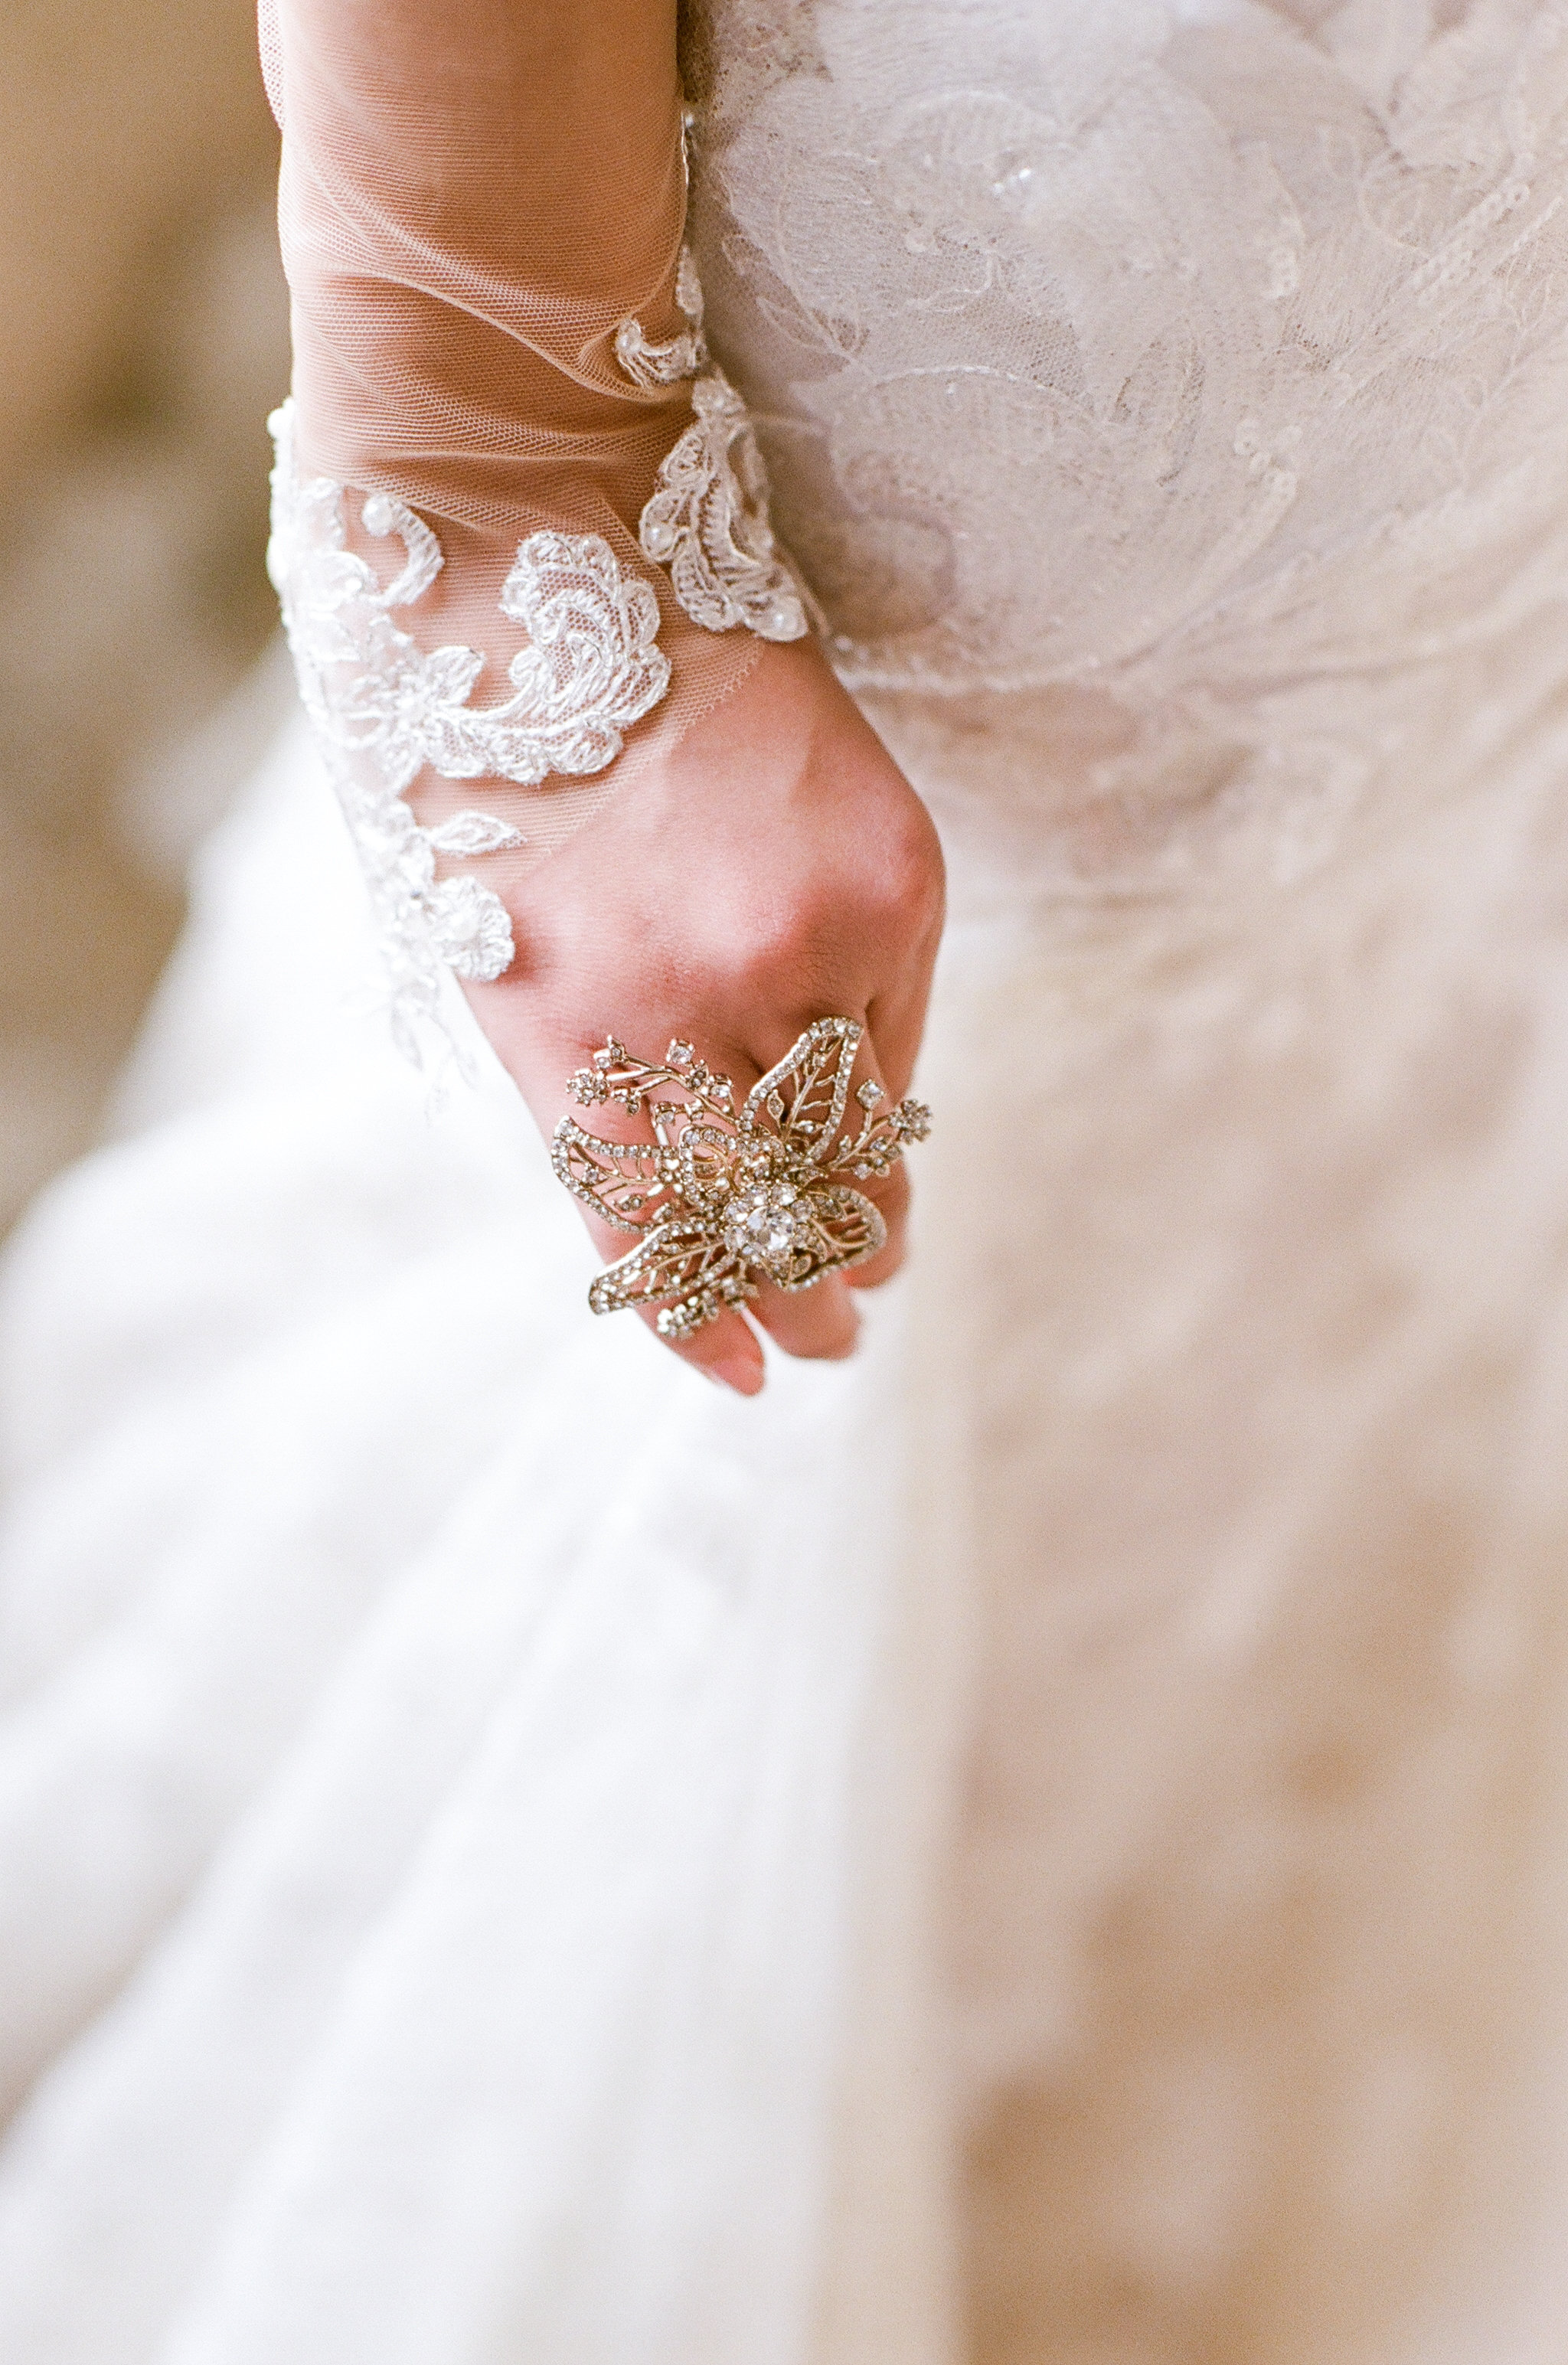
[383, 709]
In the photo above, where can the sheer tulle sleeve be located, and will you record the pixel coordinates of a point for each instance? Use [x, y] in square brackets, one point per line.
[519, 525]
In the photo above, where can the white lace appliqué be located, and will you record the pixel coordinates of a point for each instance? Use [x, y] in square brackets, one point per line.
[708, 522]
[648, 365]
[383, 709]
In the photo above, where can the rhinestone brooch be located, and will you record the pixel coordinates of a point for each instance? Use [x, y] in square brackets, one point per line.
[720, 1197]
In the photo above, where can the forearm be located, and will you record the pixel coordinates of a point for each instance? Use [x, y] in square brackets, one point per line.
[475, 194]
[480, 206]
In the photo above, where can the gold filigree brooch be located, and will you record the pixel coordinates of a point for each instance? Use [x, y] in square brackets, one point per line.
[720, 1197]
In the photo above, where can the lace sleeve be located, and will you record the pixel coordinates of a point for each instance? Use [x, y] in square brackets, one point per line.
[558, 516]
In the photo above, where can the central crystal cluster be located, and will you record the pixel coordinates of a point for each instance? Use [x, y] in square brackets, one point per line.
[766, 1224]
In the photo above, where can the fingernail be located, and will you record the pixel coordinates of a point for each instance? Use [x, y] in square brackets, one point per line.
[739, 1372]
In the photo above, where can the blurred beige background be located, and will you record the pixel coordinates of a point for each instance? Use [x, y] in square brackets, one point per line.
[144, 338]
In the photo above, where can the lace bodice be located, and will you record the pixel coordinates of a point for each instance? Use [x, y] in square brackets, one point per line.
[1165, 360]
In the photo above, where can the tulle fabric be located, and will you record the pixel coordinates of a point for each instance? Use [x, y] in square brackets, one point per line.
[471, 199]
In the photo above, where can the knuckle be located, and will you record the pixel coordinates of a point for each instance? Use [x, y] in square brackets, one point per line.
[782, 948]
[904, 884]
[787, 946]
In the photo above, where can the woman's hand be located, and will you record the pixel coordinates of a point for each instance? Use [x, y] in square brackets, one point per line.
[777, 868]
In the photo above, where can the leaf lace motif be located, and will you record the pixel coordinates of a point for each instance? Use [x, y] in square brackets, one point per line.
[708, 522]
[648, 364]
[383, 709]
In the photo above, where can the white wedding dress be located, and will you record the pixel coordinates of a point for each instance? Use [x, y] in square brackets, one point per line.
[1048, 1843]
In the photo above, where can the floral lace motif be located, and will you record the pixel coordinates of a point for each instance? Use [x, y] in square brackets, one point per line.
[384, 710]
[708, 522]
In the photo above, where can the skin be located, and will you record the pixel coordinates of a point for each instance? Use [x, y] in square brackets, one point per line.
[775, 869]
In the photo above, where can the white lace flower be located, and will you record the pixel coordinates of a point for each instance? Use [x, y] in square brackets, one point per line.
[592, 664]
[470, 928]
